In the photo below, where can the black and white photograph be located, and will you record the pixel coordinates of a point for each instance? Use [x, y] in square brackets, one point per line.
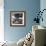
[17, 18]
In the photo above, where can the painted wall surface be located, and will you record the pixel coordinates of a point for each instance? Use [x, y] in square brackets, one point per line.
[30, 6]
[43, 6]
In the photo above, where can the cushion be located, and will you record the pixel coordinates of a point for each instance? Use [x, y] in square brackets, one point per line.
[20, 42]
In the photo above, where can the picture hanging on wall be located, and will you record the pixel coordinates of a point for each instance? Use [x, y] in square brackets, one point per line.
[17, 18]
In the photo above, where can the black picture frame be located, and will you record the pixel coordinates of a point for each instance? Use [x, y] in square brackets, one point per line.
[18, 18]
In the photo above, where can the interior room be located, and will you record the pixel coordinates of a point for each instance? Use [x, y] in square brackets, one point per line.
[22, 23]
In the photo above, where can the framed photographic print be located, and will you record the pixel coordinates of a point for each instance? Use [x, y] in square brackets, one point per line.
[17, 18]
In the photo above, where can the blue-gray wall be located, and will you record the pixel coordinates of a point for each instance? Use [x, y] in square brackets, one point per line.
[43, 6]
[30, 6]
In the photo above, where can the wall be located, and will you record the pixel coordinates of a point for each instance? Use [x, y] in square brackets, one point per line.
[30, 6]
[43, 6]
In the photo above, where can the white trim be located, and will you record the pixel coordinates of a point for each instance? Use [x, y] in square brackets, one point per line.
[1, 20]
